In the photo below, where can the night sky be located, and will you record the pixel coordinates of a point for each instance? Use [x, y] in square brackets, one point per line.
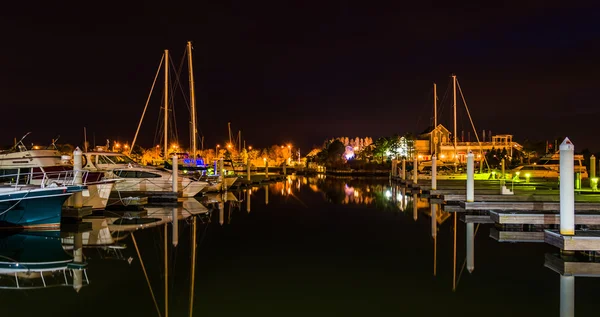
[300, 71]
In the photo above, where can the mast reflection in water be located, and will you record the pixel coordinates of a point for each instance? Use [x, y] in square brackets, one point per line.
[317, 246]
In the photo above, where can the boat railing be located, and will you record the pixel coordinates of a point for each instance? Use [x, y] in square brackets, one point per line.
[44, 179]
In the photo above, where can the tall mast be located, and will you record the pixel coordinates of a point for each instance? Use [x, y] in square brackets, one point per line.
[454, 97]
[192, 97]
[229, 129]
[435, 118]
[167, 105]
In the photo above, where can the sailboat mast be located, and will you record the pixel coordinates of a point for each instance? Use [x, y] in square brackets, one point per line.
[435, 118]
[192, 97]
[229, 128]
[166, 145]
[454, 97]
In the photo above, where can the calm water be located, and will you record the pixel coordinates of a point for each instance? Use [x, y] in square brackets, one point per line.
[320, 247]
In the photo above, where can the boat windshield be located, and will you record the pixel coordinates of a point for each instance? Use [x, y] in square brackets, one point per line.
[121, 159]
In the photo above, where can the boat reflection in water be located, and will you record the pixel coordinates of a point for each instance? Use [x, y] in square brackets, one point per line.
[37, 260]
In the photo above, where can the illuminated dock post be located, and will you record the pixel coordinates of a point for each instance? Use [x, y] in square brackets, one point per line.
[567, 188]
[222, 172]
[470, 178]
[403, 168]
[470, 247]
[175, 173]
[394, 167]
[216, 167]
[567, 296]
[433, 172]
[284, 170]
[78, 177]
[415, 170]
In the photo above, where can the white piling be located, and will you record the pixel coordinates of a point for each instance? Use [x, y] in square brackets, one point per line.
[175, 173]
[175, 224]
[567, 296]
[403, 169]
[216, 167]
[433, 220]
[222, 172]
[78, 176]
[470, 247]
[592, 167]
[415, 170]
[470, 177]
[567, 188]
[434, 172]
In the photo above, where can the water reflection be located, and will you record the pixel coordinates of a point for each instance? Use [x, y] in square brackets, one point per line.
[31, 260]
[336, 246]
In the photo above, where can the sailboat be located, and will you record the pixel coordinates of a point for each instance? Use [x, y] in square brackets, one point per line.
[145, 179]
[444, 173]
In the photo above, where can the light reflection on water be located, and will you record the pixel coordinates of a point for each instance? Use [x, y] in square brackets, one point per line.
[316, 245]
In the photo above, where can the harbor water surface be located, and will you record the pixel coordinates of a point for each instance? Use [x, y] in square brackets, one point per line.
[321, 246]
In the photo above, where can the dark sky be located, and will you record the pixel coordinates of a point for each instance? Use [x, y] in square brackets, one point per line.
[301, 71]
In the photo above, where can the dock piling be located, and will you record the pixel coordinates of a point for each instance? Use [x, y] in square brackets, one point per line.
[567, 190]
[592, 166]
[470, 178]
[77, 177]
[175, 173]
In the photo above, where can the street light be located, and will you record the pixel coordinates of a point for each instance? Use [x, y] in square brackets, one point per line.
[217, 150]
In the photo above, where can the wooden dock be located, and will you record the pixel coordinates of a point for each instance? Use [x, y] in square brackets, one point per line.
[541, 218]
[588, 240]
[517, 236]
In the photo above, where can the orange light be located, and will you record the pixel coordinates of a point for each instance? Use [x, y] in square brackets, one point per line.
[250, 148]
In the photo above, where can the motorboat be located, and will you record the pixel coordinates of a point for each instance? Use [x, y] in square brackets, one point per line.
[21, 165]
[136, 178]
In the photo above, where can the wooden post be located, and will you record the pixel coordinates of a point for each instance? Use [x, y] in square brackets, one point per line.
[567, 190]
[470, 178]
